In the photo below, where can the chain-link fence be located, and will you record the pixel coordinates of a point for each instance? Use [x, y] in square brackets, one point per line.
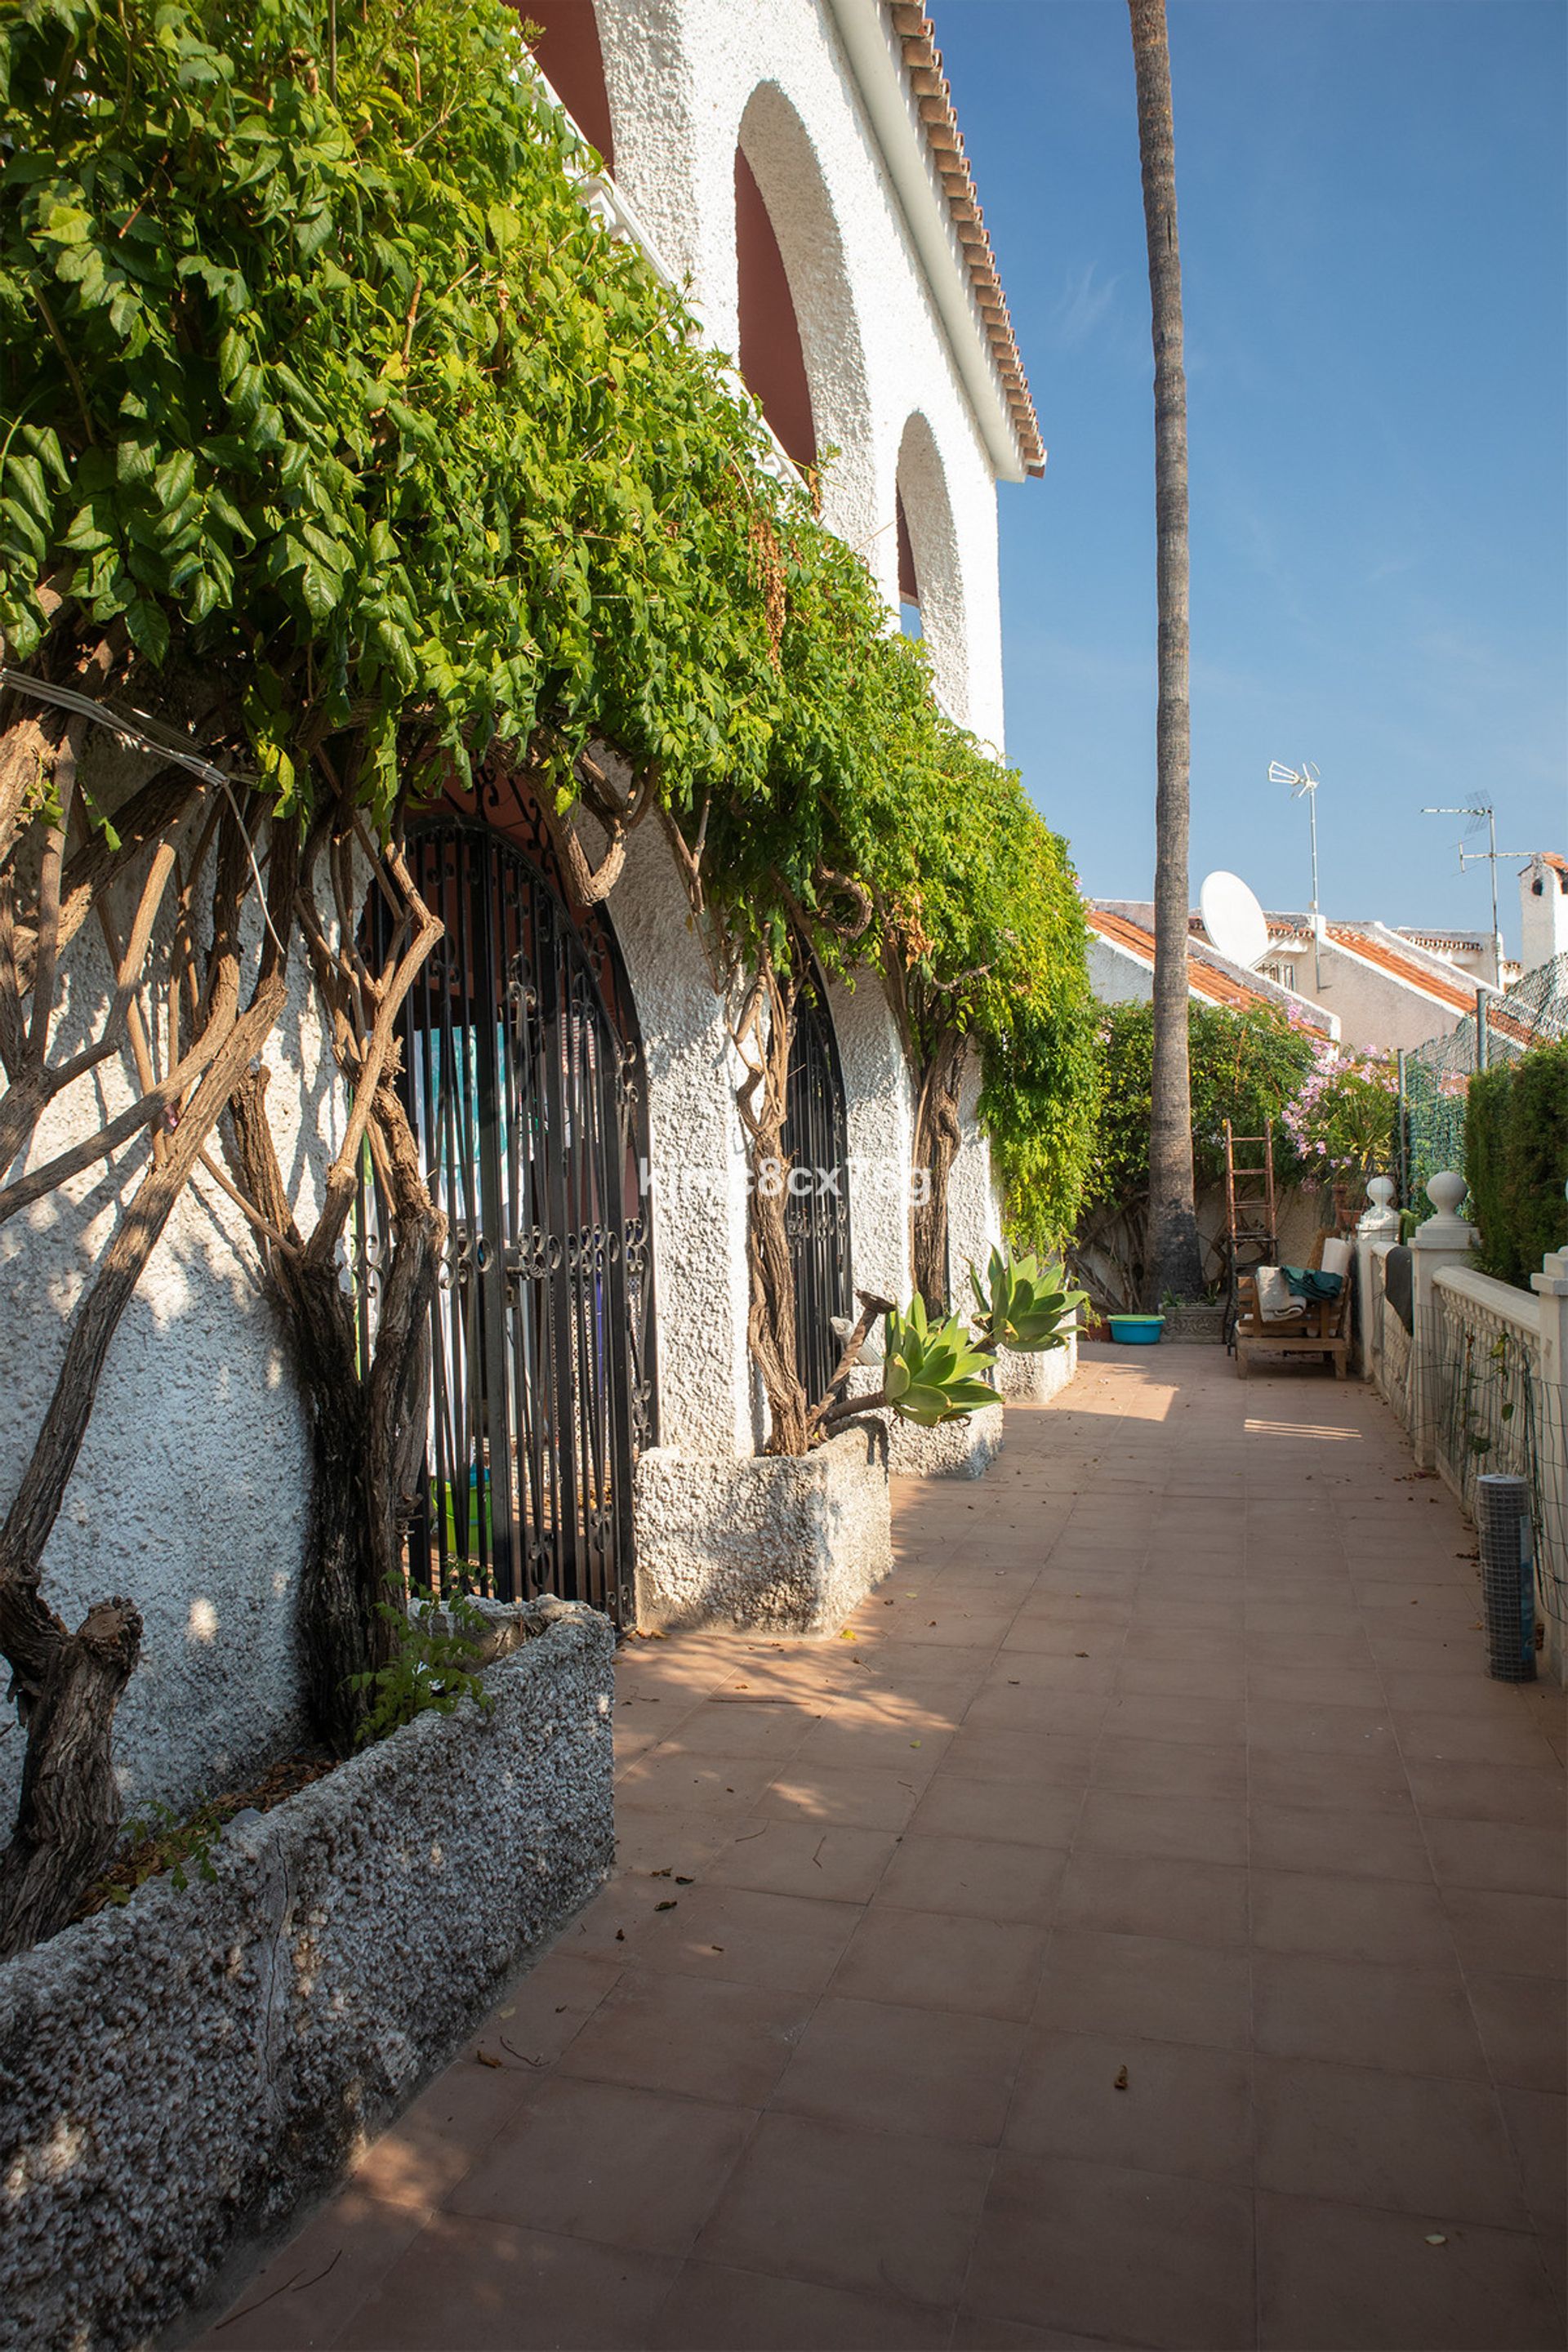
[1434, 1078]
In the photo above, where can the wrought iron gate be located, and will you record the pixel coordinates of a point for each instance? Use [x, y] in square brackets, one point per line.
[817, 1217]
[523, 1075]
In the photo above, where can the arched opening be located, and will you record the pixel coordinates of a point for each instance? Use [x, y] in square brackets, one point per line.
[522, 1076]
[816, 1146]
[930, 586]
[572, 63]
[909, 578]
[772, 360]
[800, 348]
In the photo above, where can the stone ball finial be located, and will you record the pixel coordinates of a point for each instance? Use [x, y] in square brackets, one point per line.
[1380, 1191]
[1446, 1191]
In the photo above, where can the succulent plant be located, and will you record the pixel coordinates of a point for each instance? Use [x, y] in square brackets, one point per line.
[1023, 1305]
[932, 1372]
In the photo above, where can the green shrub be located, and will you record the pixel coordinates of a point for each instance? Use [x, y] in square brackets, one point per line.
[1515, 1160]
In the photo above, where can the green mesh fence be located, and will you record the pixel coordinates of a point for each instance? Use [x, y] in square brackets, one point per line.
[1534, 1011]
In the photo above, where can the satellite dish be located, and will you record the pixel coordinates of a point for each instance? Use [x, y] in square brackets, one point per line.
[1233, 919]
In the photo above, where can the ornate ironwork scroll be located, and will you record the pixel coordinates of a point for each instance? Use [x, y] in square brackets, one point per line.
[817, 1217]
[523, 1077]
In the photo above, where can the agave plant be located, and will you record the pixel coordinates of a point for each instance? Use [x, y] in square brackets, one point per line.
[932, 1372]
[1023, 1305]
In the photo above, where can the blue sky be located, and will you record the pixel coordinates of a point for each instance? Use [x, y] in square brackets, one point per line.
[1374, 249]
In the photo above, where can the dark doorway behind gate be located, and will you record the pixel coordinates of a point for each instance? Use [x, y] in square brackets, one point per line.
[817, 1217]
[522, 1076]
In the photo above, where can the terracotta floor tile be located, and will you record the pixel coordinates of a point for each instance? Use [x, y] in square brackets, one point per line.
[934, 1959]
[310, 2290]
[699, 2037]
[1456, 1738]
[1052, 1676]
[1316, 1686]
[736, 1724]
[981, 1878]
[784, 1857]
[1200, 1722]
[1367, 1784]
[1034, 1759]
[1054, 1636]
[1523, 2026]
[812, 2200]
[1292, 1726]
[1537, 2124]
[1398, 1923]
[1352, 2013]
[786, 1941]
[1507, 1934]
[488, 2287]
[1411, 1690]
[628, 2167]
[437, 2141]
[913, 1742]
[1012, 1811]
[877, 1800]
[1170, 1767]
[936, 2073]
[1008, 1706]
[1339, 2278]
[1146, 1985]
[1190, 1829]
[1124, 2257]
[1348, 1844]
[1376, 2137]
[1489, 1792]
[972, 2333]
[712, 2309]
[1136, 1895]
[1496, 1854]
[654, 1837]
[1142, 1676]
[1181, 2107]
[670, 1780]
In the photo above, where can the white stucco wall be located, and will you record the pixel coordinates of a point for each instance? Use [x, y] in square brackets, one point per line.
[189, 1496]
[879, 1117]
[689, 80]
[974, 1220]
[697, 1157]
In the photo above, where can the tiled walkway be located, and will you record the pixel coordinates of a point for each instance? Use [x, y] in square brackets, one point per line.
[1146, 1928]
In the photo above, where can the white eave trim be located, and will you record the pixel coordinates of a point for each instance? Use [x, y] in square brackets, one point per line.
[877, 68]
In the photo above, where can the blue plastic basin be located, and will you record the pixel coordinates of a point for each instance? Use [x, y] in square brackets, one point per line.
[1136, 1330]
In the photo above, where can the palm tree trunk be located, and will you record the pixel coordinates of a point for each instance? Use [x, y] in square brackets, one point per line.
[1174, 1260]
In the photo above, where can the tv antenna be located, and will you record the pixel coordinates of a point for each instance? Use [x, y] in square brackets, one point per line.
[1483, 810]
[1303, 783]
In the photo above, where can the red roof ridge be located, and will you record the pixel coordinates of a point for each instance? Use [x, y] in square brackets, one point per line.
[1205, 978]
[1404, 968]
[945, 141]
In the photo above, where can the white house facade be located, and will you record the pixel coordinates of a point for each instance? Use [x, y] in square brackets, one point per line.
[799, 168]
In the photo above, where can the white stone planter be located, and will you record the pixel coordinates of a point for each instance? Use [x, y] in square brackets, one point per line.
[1035, 1379]
[178, 2075]
[790, 1542]
[954, 1449]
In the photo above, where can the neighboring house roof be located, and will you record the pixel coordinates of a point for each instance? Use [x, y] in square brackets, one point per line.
[1204, 979]
[922, 63]
[1404, 969]
[1549, 857]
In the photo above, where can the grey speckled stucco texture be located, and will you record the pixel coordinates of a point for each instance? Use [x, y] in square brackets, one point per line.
[791, 1542]
[954, 1449]
[181, 2073]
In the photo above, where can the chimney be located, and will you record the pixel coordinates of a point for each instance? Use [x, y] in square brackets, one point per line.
[1543, 906]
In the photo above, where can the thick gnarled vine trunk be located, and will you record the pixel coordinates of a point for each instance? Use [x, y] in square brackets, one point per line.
[65, 1683]
[937, 1138]
[763, 1035]
[366, 1415]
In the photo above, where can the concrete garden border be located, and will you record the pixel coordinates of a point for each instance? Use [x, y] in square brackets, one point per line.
[177, 2076]
[791, 1542]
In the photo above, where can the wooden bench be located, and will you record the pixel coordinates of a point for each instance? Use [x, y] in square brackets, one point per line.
[1321, 1328]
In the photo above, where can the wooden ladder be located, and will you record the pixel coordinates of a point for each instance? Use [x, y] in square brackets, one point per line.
[1251, 1216]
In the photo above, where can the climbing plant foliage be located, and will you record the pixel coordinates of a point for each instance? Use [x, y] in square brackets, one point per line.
[318, 383]
[1246, 1067]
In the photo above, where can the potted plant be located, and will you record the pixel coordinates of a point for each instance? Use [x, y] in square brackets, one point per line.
[1343, 1122]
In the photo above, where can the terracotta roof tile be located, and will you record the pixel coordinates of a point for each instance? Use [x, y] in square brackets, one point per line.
[1451, 993]
[1204, 979]
[922, 63]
